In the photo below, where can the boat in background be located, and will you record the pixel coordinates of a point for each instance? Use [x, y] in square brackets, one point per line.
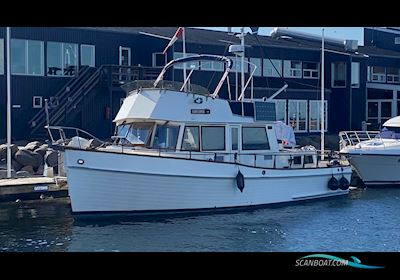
[375, 155]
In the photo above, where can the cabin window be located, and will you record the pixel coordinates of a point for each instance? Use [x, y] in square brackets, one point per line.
[339, 74]
[166, 137]
[254, 138]
[27, 57]
[191, 140]
[212, 138]
[308, 159]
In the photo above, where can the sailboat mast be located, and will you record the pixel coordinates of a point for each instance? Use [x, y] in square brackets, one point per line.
[322, 97]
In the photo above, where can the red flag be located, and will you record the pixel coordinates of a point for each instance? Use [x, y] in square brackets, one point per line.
[177, 35]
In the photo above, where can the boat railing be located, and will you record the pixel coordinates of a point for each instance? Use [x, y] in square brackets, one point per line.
[170, 85]
[295, 158]
[352, 138]
[62, 136]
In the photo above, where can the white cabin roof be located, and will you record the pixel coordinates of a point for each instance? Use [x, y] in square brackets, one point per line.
[170, 105]
[393, 122]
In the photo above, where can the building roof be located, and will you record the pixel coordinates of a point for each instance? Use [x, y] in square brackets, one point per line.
[374, 51]
[213, 37]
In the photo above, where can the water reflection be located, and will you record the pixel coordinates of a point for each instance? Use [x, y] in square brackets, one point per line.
[365, 220]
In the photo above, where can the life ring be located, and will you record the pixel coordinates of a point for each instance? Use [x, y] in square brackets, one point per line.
[333, 184]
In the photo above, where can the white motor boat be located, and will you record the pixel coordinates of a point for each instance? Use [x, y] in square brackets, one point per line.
[375, 155]
[177, 150]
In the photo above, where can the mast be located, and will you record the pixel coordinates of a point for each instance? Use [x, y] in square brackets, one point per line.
[8, 105]
[184, 54]
[322, 97]
[242, 59]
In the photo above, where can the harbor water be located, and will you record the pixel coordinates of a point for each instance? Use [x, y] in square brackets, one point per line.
[364, 221]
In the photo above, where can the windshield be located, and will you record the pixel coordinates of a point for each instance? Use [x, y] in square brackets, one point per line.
[135, 134]
[388, 132]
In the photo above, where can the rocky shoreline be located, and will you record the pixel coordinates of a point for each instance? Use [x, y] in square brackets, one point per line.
[28, 160]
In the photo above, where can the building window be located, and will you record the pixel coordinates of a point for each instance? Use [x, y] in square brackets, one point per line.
[237, 62]
[159, 60]
[378, 74]
[254, 138]
[27, 57]
[292, 69]
[339, 74]
[62, 59]
[310, 70]
[272, 68]
[280, 110]
[88, 55]
[1, 56]
[212, 65]
[297, 110]
[314, 122]
[189, 65]
[392, 75]
[213, 138]
[191, 139]
[37, 102]
[355, 74]
[257, 62]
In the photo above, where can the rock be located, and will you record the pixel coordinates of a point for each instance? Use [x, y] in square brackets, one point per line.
[29, 169]
[51, 158]
[16, 165]
[3, 150]
[38, 160]
[42, 149]
[25, 157]
[23, 174]
[39, 170]
[94, 143]
[33, 145]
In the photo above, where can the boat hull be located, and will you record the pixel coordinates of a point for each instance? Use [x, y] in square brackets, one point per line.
[147, 183]
[376, 169]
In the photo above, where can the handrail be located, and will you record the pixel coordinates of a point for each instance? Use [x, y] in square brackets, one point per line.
[352, 138]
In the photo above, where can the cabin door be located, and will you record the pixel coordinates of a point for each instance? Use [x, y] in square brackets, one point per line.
[125, 63]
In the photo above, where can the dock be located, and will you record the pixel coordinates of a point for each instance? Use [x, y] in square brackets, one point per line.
[32, 188]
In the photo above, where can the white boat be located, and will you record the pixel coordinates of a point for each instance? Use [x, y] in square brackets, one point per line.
[177, 150]
[375, 155]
